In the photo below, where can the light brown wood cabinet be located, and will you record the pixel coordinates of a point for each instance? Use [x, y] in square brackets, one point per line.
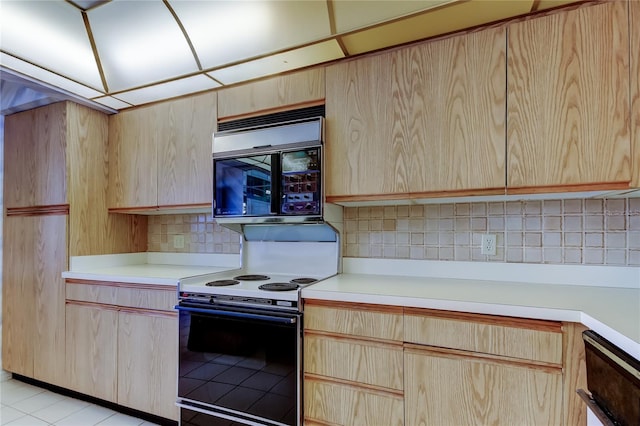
[634, 22]
[289, 91]
[160, 155]
[137, 329]
[568, 100]
[418, 121]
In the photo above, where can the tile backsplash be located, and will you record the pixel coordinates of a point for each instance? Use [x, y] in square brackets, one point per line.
[198, 233]
[576, 231]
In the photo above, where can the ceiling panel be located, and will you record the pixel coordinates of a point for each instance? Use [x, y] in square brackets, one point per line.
[170, 89]
[139, 42]
[225, 32]
[447, 19]
[51, 35]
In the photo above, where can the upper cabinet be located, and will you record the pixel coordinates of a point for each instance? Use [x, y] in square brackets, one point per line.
[418, 121]
[160, 156]
[35, 164]
[568, 99]
[634, 11]
[286, 91]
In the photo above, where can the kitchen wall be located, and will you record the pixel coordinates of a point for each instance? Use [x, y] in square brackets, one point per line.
[581, 231]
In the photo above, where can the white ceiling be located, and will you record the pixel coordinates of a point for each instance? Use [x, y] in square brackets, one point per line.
[122, 53]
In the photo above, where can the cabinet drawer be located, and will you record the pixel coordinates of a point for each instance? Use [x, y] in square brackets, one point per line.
[373, 321]
[534, 340]
[339, 404]
[122, 294]
[371, 363]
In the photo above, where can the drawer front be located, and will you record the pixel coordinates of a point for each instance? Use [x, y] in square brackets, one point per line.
[531, 340]
[112, 294]
[339, 404]
[370, 363]
[379, 322]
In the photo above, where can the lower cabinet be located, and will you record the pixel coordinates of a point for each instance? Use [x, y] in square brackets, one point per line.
[120, 352]
[366, 364]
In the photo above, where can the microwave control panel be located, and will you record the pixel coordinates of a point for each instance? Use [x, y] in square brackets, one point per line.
[301, 182]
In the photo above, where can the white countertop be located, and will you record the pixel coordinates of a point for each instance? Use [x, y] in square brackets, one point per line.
[148, 268]
[613, 312]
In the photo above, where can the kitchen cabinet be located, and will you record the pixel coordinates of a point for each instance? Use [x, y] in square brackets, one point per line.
[289, 91]
[137, 327]
[426, 120]
[568, 100]
[160, 155]
[33, 332]
[634, 22]
[353, 368]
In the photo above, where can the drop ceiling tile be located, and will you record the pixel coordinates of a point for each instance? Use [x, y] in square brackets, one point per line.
[52, 36]
[184, 86]
[112, 102]
[454, 17]
[139, 42]
[47, 77]
[352, 15]
[299, 58]
[224, 32]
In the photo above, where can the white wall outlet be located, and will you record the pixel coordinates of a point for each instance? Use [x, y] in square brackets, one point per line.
[178, 241]
[488, 244]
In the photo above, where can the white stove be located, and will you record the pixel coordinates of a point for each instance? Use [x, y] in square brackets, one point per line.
[272, 275]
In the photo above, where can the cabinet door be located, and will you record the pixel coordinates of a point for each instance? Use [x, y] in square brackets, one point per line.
[361, 158]
[92, 338]
[185, 168]
[568, 98]
[634, 11]
[34, 157]
[133, 166]
[286, 91]
[450, 103]
[34, 258]
[443, 389]
[147, 362]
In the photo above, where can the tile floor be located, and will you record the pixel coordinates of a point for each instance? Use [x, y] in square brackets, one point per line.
[22, 404]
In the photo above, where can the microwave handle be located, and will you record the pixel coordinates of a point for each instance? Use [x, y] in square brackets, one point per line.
[276, 183]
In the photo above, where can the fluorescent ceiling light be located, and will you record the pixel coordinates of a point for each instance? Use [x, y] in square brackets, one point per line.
[139, 42]
[224, 32]
[185, 86]
[52, 35]
[298, 58]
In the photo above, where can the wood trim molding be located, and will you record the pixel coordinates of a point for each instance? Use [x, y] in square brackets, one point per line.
[58, 209]
[529, 324]
[362, 340]
[386, 309]
[92, 305]
[611, 186]
[158, 287]
[117, 308]
[358, 386]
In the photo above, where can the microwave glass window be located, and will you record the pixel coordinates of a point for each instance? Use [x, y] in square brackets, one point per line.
[243, 186]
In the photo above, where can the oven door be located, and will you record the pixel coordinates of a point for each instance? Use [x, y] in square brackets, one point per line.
[240, 365]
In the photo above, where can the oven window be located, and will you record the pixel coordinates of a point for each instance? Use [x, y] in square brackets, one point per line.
[248, 366]
[243, 186]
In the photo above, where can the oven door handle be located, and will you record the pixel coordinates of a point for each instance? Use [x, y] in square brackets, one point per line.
[240, 314]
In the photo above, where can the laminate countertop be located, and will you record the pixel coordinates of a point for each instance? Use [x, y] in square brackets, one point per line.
[611, 311]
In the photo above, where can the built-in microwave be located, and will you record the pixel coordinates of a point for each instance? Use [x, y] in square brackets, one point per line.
[269, 174]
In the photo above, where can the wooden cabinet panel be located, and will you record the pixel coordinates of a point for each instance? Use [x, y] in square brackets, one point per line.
[634, 21]
[288, 90]
[185, 168]
[122, 294]
[340, 404]
[525, 339]
[380, 322]
[91, 339]
[450, 390]
[33, 329]
[568, 98]
[133, 165]
[147, 362]
[450, 103]
[34, 157]
[364, 362]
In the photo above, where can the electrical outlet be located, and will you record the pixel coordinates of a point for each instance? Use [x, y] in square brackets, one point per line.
[488, 244]
[178, 241]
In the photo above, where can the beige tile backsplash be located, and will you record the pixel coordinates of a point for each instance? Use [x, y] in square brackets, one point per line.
[582, 231]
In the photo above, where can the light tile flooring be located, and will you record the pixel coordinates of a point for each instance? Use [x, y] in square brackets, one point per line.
[22, 404]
